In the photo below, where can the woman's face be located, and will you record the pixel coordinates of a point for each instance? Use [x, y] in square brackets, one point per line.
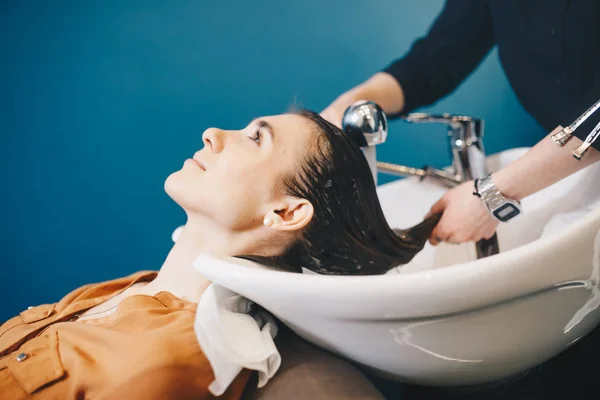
[236, 178]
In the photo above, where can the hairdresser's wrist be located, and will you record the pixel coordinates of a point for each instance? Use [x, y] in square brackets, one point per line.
[507, 185]
[383, 89]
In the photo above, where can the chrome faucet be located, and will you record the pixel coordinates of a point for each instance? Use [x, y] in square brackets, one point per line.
[466, 145]
[366, 123]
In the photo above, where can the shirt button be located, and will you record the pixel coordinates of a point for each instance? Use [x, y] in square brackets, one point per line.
[21, 357]
[553, 32]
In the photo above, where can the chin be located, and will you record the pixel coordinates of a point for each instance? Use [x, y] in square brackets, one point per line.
[177, 188]
[185, 190]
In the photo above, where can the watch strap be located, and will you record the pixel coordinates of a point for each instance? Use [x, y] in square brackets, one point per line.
[501, 207]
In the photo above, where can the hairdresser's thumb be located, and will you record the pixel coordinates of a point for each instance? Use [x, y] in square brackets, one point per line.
[437, 208]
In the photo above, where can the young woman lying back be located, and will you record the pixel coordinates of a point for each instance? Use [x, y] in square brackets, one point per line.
[289, 190]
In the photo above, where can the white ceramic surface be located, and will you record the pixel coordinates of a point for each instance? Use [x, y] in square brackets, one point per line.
[447, 318]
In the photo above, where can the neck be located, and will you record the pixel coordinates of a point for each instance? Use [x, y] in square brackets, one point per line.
[177, 274]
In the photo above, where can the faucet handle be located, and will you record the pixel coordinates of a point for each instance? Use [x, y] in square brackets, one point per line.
[462, 123]
[441, 118]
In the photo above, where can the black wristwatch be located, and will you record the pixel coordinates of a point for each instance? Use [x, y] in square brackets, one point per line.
[502, 208]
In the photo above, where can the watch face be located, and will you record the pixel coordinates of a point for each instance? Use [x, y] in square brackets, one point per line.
[506, 211]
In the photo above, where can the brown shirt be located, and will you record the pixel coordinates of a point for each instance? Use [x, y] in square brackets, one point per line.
[146, 349]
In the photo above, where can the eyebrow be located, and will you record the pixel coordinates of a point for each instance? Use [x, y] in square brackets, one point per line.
[262, 124]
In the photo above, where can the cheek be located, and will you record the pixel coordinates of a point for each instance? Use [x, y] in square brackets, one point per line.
[243, 196]
[241, 178]
[233, 192]
[231, 196]
[236, 205]
[246, 191]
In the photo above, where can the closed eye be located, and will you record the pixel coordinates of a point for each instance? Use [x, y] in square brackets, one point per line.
[256, 137]
[262, 126]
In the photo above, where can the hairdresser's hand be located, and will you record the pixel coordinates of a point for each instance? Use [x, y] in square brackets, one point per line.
[465, 218]
[382, 88]
[335, 111]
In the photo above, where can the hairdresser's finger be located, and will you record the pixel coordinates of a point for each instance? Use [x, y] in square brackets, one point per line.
[488, 235]
[484, 231]
[475, 234]
[489, 230]
[452, 240]
[434, 240]
[438, 234]
[332, 115]
[472, 237]
[438, 207]
[458, 237]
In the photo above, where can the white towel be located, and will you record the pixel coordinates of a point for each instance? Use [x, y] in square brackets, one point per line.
[233, 336]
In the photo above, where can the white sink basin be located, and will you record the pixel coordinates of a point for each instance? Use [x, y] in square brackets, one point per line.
[447, 318]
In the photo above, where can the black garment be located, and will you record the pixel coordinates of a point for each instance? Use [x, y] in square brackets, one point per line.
[549, 49]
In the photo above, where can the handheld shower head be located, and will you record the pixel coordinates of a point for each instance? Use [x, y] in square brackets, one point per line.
[366, 123]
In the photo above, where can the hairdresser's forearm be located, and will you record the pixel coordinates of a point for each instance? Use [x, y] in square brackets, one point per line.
[381, 88]
[543, 165]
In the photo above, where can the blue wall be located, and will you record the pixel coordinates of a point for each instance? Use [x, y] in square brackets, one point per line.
[101, 101]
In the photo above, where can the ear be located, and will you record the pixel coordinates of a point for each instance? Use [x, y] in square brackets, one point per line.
[290, 214]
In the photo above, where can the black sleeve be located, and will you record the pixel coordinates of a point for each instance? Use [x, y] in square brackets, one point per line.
[436, 64]
[592, 96]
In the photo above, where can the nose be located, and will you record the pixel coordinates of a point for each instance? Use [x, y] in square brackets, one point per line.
[213, 139]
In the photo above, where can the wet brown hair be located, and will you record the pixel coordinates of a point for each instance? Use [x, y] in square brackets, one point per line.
[348, 234]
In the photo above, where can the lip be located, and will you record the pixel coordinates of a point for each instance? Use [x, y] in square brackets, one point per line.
[197, 163]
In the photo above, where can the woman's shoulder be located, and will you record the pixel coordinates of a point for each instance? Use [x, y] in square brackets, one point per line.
[105, 288]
